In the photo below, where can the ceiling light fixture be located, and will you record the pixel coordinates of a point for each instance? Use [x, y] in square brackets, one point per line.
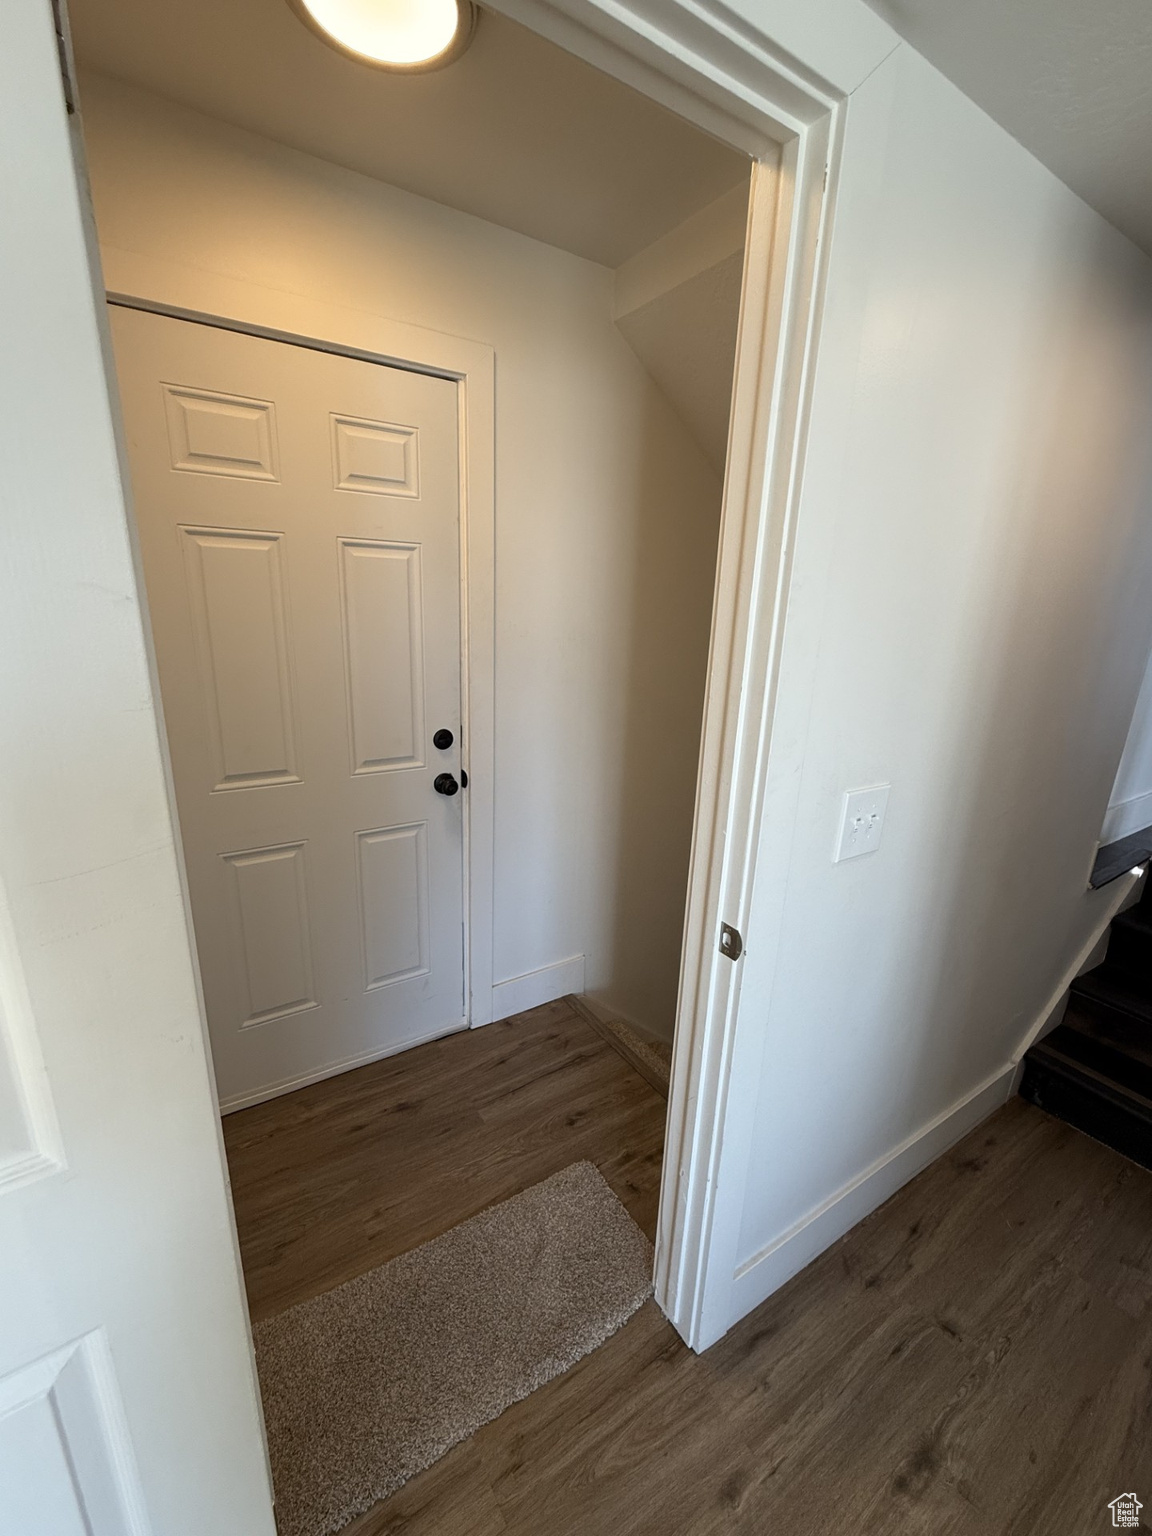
[402, 35]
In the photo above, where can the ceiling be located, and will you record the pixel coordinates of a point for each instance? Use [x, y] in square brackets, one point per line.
[1070, 79]
[516, 131]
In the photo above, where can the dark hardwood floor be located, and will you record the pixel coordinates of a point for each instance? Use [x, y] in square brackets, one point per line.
[974, 1358]
[334, 1179]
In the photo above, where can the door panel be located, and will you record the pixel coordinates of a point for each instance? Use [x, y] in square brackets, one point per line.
[236, 594]
[376, 456]
[394, 903]
[53, 1417]
[29, 1132]
[299, 523]
[271, 922]
[220, 434]
[384, 636]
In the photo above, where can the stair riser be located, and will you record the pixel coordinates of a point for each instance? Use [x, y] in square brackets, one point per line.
[1108, 1058]
[1110, 1011]
[1077, 1104]
[1130, 951]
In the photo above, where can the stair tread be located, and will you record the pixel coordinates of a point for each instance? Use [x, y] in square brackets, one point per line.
[1052, 1052]
[1122, 1033]
[1123, 990]
[1092, 1044]
[1115, 859]
[1094, 1070]
[1073, 1093]
[1137, 919]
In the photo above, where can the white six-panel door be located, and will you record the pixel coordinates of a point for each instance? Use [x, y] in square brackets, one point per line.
[299, 522]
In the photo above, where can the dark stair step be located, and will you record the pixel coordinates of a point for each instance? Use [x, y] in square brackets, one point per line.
[1116, 859]
[1115, 994]
[1120, 1049]
[1140, 915]
[1130, 945]
[1057, 1079]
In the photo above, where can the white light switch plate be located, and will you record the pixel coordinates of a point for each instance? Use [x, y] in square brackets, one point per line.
[862, 821]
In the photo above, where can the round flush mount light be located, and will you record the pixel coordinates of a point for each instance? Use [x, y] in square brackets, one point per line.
[402, 35]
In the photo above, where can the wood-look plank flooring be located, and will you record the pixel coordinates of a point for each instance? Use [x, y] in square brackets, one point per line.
[975, 1358]
[338, 1177]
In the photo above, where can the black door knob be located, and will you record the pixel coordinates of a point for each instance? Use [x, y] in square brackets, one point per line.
[445, 784]
[443, 739]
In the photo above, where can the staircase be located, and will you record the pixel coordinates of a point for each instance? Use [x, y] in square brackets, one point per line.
[1095, 1069]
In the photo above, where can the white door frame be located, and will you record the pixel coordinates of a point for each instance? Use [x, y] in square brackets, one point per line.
[729, 76]
[186, 293]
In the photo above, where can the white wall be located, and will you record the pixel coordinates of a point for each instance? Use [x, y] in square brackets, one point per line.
[1130, 803]
[968, 620]
[606, 513]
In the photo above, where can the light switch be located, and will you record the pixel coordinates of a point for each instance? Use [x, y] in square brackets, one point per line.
[862, 821]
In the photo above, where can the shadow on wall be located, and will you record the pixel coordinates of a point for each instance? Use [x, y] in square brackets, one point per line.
[663, 680]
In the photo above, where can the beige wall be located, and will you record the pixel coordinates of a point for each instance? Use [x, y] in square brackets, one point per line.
[606, 513]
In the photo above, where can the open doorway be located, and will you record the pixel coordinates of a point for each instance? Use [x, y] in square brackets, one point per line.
[600, 390]
[427, 427]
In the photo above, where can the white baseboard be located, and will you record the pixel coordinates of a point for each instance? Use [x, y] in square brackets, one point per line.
[768, 1270]
[1126, 817]
[333, 1069]
[519, 993]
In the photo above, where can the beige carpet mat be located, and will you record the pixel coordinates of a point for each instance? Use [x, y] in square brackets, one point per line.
[373, 1381]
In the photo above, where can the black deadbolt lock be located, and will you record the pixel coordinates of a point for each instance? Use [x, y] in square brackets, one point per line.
[443, 739]
[445, 784]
